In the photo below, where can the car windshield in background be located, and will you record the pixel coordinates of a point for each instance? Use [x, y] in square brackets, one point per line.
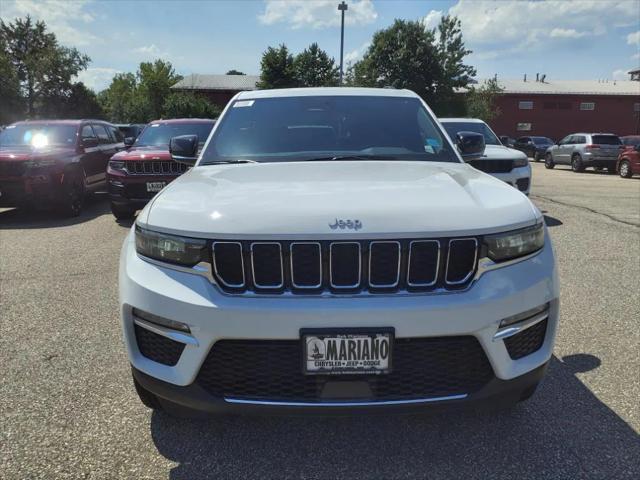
[633, 141]
[453, 128]
[327, 127]
[542, 141]
[606, 140]
[159, 134]
[38, 135]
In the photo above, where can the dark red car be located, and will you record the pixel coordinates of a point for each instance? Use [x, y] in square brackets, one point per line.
[629, 159]
[55, 162]
[138, 173]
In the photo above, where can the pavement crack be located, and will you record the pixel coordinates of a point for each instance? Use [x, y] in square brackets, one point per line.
[587, 209]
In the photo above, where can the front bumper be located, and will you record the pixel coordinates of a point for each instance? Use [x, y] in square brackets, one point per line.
[519, 178]
[131, 190]
[37, 190]
[213, 316]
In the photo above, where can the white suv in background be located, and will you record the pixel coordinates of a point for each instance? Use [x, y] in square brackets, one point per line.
[331, 251]
[507, 164]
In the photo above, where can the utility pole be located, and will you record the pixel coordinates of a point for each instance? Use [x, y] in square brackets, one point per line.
[343, 7]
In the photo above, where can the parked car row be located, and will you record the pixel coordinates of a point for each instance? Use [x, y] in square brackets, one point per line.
[57, 162]
[584, 150]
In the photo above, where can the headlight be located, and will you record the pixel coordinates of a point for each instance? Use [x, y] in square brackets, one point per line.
[116, 164]
[520, 162]
[506, 246]
[170, 248]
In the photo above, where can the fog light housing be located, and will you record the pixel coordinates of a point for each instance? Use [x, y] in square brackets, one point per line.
[161, 321]
[524, 315]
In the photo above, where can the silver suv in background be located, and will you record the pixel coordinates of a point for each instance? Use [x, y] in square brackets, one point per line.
[507, 164]
[584, 150]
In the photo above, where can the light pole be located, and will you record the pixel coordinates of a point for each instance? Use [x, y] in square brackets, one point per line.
[343, 7]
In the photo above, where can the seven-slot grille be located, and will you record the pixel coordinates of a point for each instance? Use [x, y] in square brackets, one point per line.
[355, 266]
[493, 166]
[155, 167]
[12, 169]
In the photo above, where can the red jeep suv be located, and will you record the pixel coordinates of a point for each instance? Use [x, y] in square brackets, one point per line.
[629, 159]
[138, 173]
[55, 162]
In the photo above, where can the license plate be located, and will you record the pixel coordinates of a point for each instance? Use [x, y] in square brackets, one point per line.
[155, 186]
[347, 353]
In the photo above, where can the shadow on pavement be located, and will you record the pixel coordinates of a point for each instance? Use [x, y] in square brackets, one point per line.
[95, 205]
[564, 431]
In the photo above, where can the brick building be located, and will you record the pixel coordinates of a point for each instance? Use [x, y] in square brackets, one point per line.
[556, 108]
[218, 89]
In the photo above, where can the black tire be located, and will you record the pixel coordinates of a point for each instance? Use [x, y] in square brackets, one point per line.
[73, 193]
[528, 392]
[625, 169]
[548, 162]
[576, 164]
[147, 398]
[122, 213]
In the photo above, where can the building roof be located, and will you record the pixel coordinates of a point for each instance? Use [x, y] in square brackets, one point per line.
[196, 81]
[325, 92]
[570, 87]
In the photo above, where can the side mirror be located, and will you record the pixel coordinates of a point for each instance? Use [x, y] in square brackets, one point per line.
[184, 149]
[470, 144]
[129, 141]
[89, 142]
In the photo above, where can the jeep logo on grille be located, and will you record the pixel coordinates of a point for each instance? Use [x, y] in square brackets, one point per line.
[348, 224]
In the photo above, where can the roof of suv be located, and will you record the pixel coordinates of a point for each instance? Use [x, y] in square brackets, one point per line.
[60, 122]
[325, 92]
[467, 120]
[594, 133]
[184, 120]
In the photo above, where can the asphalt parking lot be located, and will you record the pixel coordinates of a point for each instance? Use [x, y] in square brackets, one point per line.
[68, 408]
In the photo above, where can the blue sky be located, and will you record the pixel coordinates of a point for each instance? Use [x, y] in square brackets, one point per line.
[564, 39]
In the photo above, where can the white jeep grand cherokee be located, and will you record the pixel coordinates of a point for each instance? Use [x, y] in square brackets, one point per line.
[330, 250]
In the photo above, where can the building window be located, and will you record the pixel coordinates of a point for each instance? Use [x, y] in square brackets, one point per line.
[524, 127]
[636, 107]
[527, 105]
[587, 106]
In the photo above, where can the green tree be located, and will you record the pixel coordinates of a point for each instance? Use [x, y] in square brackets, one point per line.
[11, 102]
[154, 83]
[79, 102]
[188, 105]
[277, 69]
[43, 68]
[235, 72]
[481, 100]
[314, 68]
[118, 100]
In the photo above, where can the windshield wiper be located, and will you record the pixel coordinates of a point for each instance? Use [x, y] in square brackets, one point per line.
[218, 162]
[350, 157]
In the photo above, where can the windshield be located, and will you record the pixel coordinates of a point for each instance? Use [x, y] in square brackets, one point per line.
[159, 134]
[542, 141]
[38, 135]
[327, 127]
[633, 141]
[453, 128]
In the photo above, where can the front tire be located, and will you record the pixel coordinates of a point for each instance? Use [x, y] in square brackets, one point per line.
[73, 194]
[548, 162]
[122, 212]
[625, 169]
[576, 164]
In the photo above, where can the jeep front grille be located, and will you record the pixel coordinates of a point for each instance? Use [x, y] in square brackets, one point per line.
[155, 167]
[492, 166]
[354, 266]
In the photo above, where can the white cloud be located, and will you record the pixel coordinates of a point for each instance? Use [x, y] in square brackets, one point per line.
[149, 50]
[61, 17]
[316, 14]
[566, 33]
[635, 56]
[97, 78]
[432, 19]
[516, 26]
[621, 74]
[634, 38]
[355, 55]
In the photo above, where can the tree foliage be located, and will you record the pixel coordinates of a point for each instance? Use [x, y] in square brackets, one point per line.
[235, 72]
[407, 55]
[154, 83]
[11, 104]
[314, 68]
[481, 100]
[276, 68]
[43, 68]
[188, 105]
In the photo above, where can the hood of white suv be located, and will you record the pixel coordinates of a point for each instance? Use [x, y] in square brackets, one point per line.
[500, 152]
[305, 199]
